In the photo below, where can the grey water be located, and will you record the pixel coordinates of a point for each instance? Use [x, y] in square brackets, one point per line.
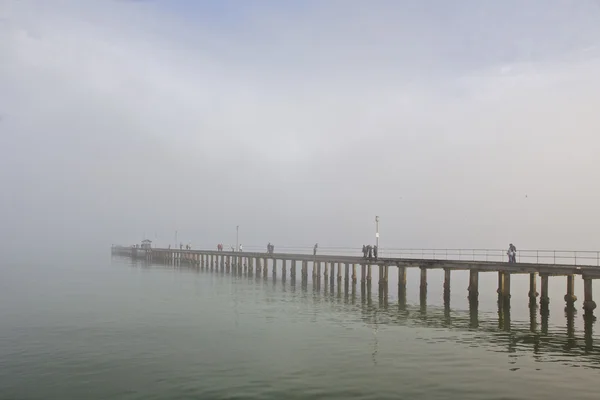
[100, 327]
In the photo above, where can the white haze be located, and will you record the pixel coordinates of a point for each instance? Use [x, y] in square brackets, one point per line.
[467, 126]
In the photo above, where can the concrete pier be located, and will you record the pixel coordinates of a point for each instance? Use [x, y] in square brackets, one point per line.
[588, 300]
[544, 299]
[473, 284]
[246, 262]
[423, 285]
[447, 272]
[533, 294]
[570, 297]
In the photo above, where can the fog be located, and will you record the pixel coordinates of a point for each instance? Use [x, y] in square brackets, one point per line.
[466, 124]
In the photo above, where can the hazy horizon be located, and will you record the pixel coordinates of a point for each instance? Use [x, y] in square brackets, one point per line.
[460, 124]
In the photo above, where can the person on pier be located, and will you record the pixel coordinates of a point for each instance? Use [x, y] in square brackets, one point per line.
[240, 247]
[364, 251]
[369, 251]
[375, 252]
[315, 249]
[512, 254]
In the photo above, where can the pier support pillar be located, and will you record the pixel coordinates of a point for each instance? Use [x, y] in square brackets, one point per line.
[347, 273]
[369, 273]
[533, 293]
[473, 284]
[402, 286]
[545, 299]
[318, 269]
[283, 269]
[570, 297]
[305, 269]
[363, 277]
[506, 284]
[447, 275]
[250, 268]
[423, 286]
[500, 289]
[212, 262]
[332, 277]
[314, 272]
[326, 271]
[339, 272]
[258, 266]
[588, 301]
[274, 268]
[353, 273]
[266, 267]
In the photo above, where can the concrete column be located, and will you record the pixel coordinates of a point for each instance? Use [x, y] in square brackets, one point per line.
[473, 284]
[588, 301]
[339, 272]
[347, 272]
[314, 272]
[570, 297]
[250, 265]
[258, 266]
[353, 273]
[283, 271]
[266, 267]
[423, 285]
[318, 269]
[363, 278]
[326, 272]
[401, 278]
[332, 277]
[293, 271]
[305, 269]
[369, 273]
[506, 291]
[447, 279]
[500, 290]
[274, 268]
[545, 299]
[212, 261]
[380, 275]
[533, 293]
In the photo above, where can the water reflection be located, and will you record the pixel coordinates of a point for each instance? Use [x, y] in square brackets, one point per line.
[494, 331]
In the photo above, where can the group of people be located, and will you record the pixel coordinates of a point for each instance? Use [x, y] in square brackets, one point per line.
[232, 248]
[512, 254]
[369, 252]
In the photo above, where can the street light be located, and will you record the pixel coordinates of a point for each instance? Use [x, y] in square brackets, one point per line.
[237, 237]
[377, 231]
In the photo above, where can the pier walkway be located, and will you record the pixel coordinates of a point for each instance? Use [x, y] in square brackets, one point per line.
[343, 267]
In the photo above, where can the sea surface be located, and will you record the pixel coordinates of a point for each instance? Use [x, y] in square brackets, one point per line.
[102, 327]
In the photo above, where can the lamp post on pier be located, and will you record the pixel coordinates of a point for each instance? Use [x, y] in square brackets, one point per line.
[377, 231]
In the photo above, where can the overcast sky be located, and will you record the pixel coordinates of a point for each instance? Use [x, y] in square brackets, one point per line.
[461, 123]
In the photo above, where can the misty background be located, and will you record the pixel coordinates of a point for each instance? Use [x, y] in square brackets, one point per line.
[461, 124]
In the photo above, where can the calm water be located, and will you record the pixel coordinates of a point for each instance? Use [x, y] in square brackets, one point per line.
[110, 328]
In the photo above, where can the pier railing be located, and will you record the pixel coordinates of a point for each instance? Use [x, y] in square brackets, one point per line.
[564, 257]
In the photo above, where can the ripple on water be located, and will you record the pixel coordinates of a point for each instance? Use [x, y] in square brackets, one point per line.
[165, 334]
